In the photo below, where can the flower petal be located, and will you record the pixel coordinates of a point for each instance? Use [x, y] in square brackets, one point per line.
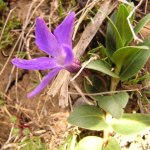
[41, 63]
[45, 40]
[63, 32]
[69, 55]
[44, 82]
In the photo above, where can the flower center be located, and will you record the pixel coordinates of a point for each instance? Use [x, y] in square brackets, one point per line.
[61, 59]
[74, 67]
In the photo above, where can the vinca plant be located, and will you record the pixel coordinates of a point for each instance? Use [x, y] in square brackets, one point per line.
[125, 61]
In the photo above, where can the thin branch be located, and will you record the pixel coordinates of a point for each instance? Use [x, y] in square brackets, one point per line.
[128, 19]
[146, 4]
[126, 2]
[104, 93]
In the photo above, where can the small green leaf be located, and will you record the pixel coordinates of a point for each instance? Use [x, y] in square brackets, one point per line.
[122, 54]
[139, 26]
[13, 119]
[100, 66]
[131, 124]
[61, 8]
[89, 88]
[135, 62]
[88, 117]
[122, 23]
[131, 67]
[16, 131]
[98, 85]
[119, 43]
[90, 143]
[113, 104]
[1, 102]
[26, 131]
[112, 144]
[110, 38]
[73, 2]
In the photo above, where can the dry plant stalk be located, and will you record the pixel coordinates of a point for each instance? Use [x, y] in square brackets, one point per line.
[63, 99]
[91, 29]
[58, 82]
[136, 39]
[83, 15]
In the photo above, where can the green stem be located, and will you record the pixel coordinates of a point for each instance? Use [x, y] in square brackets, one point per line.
[115, 81]
[113, 86]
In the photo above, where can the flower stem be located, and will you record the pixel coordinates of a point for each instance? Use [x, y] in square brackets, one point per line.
[106, 133]
[113, 86]
[115, 81]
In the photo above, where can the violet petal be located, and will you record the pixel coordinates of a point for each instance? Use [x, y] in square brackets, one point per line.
[69, 55]
[45, 40]
[63, 32]
[41, 63]
[45, 82]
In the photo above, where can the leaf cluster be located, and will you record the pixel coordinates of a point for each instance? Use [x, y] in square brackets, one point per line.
[128, 60]
[8, 36]
[118, 52]
[3, 6]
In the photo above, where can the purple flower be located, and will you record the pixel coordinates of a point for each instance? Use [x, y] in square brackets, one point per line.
[58, 45]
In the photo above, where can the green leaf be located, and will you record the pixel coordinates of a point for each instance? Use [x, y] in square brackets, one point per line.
[90, 143]
[89, 88]
[119, 43]
[73, 2]
[122, 23]
[100, 66]
[131, 124]
[88, 117]
[135, 62]
[113, 104]
[1, 102]
[112, 144]
[98, 85]
[139, 26]
[61, 8]
[110, 38]
[123, 54]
